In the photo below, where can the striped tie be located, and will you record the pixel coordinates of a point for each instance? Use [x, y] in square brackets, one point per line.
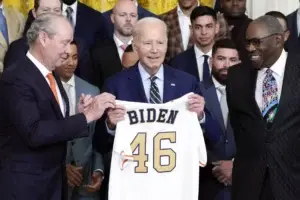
[154, 92]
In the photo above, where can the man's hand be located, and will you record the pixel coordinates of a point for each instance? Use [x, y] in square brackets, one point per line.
[84, 102]
[99, 104]
[96, 182]
[223, 171]
[74, 175]
[115, 115]
[196, 104]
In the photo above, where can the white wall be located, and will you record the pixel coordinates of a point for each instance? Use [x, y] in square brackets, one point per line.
[256, 8]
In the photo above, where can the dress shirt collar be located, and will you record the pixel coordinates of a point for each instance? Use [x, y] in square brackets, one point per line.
[38, 64]
[199, 53]
[146, 76]
[70, 82]
[73, 6]
[217, 84]
[179, 11]
[119, 42]
[278, 67]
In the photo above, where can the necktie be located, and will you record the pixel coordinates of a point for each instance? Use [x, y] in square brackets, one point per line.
[154, 92]
[68, 89]
[53, 85]
[270, 97]
[123, 46]
[3, 26]
[69, 12]
[223, 104]
[206, 72]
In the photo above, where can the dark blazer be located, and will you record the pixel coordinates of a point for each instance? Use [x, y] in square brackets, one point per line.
[220, 144]
[110, 26]
[16, 51]
[268, 157]
[84, 31]
[293, 43]
[33, 135]
[187, 62]
[105, 61]
[175, 45]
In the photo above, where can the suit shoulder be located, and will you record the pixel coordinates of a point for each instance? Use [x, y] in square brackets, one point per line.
[15, 71]
[180, 74]
[182, 56]
[146, 12]
[19, 42]
[86, 84]
[291, 15]
[89, 10]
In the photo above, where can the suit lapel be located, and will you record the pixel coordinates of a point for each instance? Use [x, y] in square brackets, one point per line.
[290, 90]
[42, 85]
[63, 95]
[253, 102]
[135, 83]
[192, 63]
[213, 104]
[170, 85]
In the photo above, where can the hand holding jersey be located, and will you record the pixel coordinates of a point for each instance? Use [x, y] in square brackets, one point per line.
[195, 104]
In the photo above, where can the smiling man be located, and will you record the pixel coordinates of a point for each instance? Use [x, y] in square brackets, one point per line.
[263, 101]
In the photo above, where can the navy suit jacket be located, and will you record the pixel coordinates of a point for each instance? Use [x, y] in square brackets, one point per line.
[186, 61]
[142, 12]
[33, 135]
[220, 144]
[293, 43]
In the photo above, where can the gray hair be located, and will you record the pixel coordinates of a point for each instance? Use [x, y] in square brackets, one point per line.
[271, 24]
[147, 21]
[43, 23]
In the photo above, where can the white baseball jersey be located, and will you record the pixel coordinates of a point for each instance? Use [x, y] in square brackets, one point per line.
[157, 152]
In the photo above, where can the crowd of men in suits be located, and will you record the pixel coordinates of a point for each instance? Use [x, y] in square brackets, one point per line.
[63, 69]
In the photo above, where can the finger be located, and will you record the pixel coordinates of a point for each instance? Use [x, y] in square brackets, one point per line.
[107, 96]
[76, 175]
[90, 188]
[87, 98]
[109, 105]
[74, 181]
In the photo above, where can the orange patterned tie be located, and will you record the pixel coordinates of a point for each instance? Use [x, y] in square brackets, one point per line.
[53, 85]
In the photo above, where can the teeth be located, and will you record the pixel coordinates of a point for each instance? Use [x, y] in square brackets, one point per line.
[254, 57]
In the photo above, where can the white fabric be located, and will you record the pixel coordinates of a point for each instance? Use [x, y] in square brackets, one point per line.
[200, 60]
[71, 92]
[184, 138]
[74, 13]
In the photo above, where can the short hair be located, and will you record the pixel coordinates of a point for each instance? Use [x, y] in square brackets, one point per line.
[36, 4]
[224, 43]
[279, 15]
[147, 20]
[271, 24]
[203, 11]
[43, 23]
[128, 49]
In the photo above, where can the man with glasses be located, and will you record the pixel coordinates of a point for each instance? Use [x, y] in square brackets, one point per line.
[263, 99]
[282, 20]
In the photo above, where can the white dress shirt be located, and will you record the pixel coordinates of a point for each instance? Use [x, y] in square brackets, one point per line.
[44, 71]
[200, 60]
[74, 13]
[278, 69]
[71, 92]
[119, 43]
[218, 86]
[298, 21]
[184, 23]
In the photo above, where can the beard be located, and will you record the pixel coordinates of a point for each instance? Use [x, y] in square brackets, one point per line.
[219, 76]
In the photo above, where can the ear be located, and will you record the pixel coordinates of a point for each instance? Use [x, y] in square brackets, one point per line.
[217, 27]
[210, 61]
[112, 18]
[43, 38]
[134, 47]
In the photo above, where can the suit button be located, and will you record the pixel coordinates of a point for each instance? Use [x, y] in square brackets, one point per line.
[226, 141]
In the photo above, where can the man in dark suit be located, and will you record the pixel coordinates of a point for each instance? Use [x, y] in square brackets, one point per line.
[263, 100]
[34, 122]
[293, 43]
[195, 60]
[283, 22]
[178, 23]
[107, 55]
[215, 178]
[18, 48]
[134, 84]
[141, 14]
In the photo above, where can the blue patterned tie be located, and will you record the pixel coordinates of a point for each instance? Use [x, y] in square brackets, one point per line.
[270, 97]
[206, 71]
[154, 92]
[3, 26]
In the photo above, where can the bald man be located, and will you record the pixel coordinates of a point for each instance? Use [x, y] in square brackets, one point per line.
[264, 105]
[124, 18]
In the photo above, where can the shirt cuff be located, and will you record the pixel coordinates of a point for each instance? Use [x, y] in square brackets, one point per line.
[202, 121]
[100, 170]
[111, 132]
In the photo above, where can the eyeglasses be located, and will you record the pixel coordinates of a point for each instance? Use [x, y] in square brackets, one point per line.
[257, 41]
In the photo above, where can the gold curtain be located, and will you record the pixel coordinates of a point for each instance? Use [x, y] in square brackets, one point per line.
[155, 6]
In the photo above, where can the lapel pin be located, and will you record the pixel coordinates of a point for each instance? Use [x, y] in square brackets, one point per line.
[172, 84]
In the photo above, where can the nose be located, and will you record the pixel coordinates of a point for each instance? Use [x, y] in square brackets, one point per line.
[250, 47]
[154, 48]
[235, 2]
[203, 31]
